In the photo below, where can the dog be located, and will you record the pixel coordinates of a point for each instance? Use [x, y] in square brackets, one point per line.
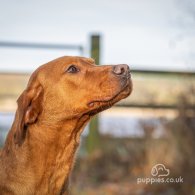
[59, 100]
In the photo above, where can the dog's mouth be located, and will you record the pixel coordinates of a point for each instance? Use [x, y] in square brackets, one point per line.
[103, 104]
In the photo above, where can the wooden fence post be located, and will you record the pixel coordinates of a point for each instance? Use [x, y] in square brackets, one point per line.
[93, 138]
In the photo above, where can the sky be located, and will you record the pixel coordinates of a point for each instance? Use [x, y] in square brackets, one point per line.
[146, 34]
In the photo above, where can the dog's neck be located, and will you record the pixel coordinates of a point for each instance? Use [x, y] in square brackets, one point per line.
[46, 155]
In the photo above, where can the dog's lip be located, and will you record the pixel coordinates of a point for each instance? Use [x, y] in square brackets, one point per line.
[110, 99]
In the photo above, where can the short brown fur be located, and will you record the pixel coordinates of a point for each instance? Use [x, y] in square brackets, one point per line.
[38, 154]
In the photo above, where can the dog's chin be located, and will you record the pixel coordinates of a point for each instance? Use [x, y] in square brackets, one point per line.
[101, 105]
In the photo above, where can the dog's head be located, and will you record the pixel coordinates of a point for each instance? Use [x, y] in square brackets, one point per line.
[70, 87]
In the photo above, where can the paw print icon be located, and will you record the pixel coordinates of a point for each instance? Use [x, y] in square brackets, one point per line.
[160, 170]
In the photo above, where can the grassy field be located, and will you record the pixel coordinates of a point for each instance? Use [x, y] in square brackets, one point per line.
[148, 89]
[11, 86]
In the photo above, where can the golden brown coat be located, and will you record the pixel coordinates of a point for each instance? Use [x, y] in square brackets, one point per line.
[59, 100]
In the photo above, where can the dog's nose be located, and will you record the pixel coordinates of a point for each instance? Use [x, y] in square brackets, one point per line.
[121, 69]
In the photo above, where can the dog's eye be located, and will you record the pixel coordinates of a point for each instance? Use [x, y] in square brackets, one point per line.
[72, 69]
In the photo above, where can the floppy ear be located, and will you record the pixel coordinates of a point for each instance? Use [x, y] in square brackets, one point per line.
[29, 108]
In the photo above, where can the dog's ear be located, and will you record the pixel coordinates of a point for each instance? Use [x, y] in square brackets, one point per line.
[29, 108]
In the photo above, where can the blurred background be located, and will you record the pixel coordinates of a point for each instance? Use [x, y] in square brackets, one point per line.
[156, 124]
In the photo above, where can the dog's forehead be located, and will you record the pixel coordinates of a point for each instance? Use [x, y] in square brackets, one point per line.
[88, 60]
[77, 60]
[71, 60]
[58, 64]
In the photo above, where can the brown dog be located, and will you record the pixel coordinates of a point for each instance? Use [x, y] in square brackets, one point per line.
[59, 100]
